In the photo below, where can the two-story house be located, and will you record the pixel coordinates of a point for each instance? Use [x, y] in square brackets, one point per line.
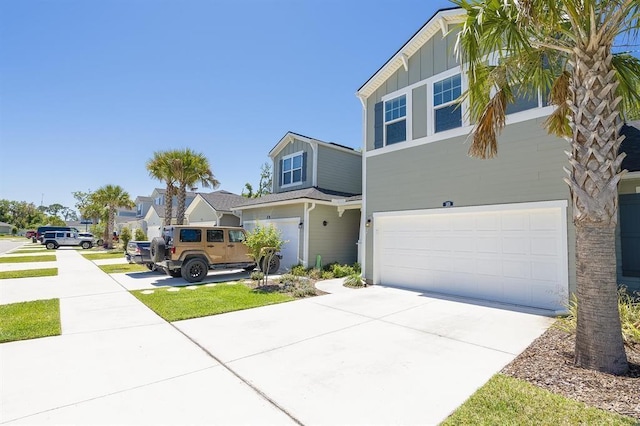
[435, 219]
[315, 202]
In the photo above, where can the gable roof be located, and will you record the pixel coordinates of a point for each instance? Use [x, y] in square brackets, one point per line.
[290, 136]
[439, 22]
[160, 210]
[300, 195]
[631, 146]
[222, 201]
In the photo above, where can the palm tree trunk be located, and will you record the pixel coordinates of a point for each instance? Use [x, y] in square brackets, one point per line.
[168, 205]
[593, 180]
[110, 225]
[182, 196]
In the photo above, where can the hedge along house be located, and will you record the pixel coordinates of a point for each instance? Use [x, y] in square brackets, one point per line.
[436, 220]
[315, 202]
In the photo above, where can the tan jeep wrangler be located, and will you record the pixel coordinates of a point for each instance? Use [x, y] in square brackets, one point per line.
[191, 251]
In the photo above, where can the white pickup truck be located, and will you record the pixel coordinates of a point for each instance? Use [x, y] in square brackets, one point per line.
[54, 239]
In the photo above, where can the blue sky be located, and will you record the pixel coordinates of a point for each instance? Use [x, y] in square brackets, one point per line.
[90, 89]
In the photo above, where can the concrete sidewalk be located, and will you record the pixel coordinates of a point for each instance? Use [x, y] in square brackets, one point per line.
[370, 356]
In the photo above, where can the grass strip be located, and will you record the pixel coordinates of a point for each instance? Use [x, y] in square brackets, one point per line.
[29, 273]
[120, 268]
[26, 259]
[104, 255]
[29, 320]
[204, 301]
[507, 401]
[42, 250]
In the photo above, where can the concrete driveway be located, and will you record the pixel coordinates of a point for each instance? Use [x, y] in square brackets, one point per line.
[370, 356]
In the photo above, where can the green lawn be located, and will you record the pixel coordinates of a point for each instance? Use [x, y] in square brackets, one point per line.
[120, 268]
[28, 273]
[29, 320]
[104, 255]
[30, 250]
[507, 401]
[25, 259]
[204, 301]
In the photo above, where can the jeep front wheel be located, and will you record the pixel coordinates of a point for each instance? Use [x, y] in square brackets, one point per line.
[195, 270]
[86, 245]
[274, 264]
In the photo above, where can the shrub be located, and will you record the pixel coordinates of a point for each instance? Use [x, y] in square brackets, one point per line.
[125, 236]
[304, 289]
[139, 235]
[257, 275]
[327, 275]
[340, 271]
[354, 280]
[298, 270]
[315, 274]
[356, 267]
[629, 317]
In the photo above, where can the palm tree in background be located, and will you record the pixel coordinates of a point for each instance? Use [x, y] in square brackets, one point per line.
[564, 48]
[111, 197]
[160, 168]
[190, 168]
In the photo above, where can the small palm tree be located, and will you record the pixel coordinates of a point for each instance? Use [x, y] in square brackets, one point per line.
[111, 197]
[160, 168]
[189, 168]
[564, 47]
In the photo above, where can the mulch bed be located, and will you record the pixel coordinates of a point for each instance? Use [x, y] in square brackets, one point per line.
[548, 363]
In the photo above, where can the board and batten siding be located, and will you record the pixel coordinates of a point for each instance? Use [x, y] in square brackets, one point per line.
[292, 148]
[336, 242]
[529, 167]
[339, 170]
[434, 57]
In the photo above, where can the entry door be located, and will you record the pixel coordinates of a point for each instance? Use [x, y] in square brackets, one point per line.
[630, 234]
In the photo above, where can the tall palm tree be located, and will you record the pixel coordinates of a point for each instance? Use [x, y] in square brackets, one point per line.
[160, 168]
[564, 48]
[112, 197]
[189, 168]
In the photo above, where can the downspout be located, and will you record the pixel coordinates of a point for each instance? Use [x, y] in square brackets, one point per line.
[362, 242]
[219, 216]
[305, 253]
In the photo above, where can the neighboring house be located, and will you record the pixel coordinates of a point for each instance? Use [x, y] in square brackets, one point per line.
[315, 201]
[154, 220]
[143, 204]
[214, 209]
[158, 196]
[5, 228]
[436, 220]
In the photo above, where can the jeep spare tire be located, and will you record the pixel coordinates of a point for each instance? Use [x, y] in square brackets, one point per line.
[158, 248]
[274, 264]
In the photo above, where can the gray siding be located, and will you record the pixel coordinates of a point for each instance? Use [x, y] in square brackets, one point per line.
[434, 57]
[339, 171]
[229, 220]
[277, 212]
[627, 186]
[292, 148]
[528, 168]
[336, 242]
[419, 110]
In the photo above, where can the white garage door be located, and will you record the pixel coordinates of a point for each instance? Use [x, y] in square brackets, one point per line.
[290, 234]
[513, 253]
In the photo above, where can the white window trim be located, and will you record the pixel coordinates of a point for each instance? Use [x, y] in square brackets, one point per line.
[295, 154]
[431, 108]
[407, 93]
[465, 130]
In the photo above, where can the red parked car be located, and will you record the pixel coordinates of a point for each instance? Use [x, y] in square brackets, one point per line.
[30, 234]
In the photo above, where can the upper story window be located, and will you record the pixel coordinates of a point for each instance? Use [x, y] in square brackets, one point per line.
[447, 112]
[395, 113]
[292, 169]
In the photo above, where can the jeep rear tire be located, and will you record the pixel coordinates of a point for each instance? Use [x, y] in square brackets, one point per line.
[195, 270]
[86, 245]
[51, 245]
[274, 265]
[157, 249]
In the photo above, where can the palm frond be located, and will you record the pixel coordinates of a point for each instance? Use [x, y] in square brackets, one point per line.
[628, 75]
[484, 137]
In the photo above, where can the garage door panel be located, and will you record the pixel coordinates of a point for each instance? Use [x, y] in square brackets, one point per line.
[515, 255]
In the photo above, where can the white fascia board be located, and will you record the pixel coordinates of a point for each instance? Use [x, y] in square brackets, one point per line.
[283, 203]
[289, 137]
[631, 175]
[430, 29]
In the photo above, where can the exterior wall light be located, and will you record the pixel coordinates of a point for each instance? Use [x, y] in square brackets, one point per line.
[300, 225]
[324, 223]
